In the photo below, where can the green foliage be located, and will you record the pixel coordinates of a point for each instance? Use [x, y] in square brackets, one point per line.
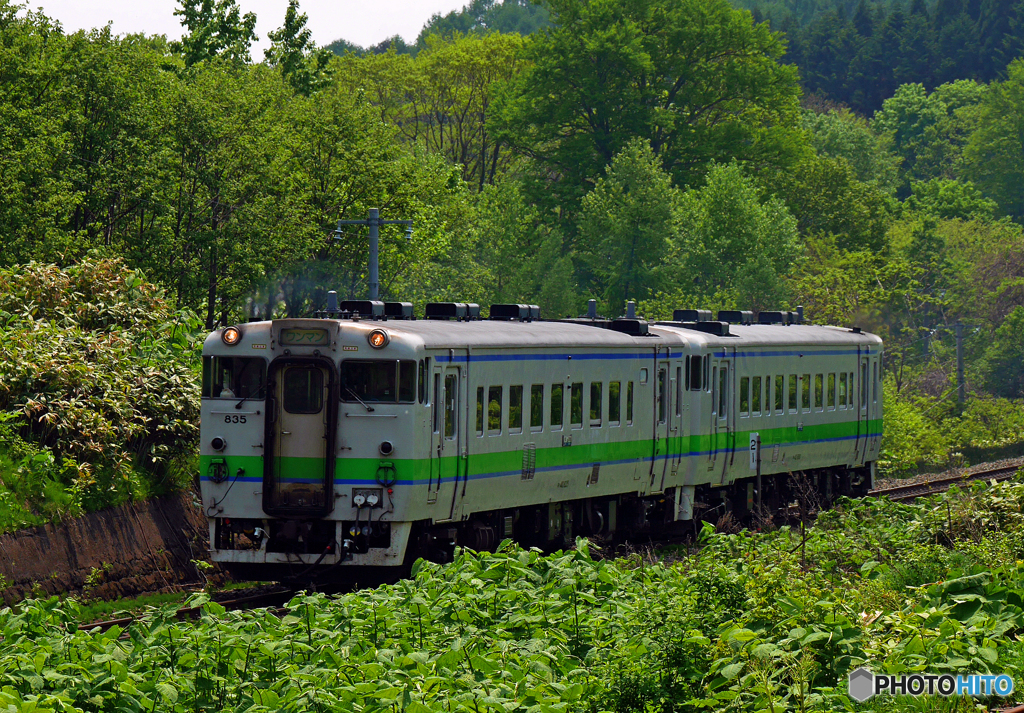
[97, 382]
[950, 199]
[1003, 363]
[909, 440]
[995, 152]
[843, 134]
[295, 53]
[214, 28]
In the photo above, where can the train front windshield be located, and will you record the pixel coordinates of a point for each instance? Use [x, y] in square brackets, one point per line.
[234, 377]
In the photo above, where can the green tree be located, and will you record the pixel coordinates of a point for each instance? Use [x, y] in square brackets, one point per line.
[626, 227]
[293, 51]
[734, 248]
[695, 78]
[950, 199]
[843, 134]
[995, 151]
[1003, 364]
[215, 28]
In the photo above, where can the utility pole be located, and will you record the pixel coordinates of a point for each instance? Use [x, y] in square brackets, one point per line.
[961, 388]
[374, 222]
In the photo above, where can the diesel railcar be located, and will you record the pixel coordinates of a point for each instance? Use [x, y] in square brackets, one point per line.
[345, 446]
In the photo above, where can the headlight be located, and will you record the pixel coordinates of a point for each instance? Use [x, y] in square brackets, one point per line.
[378, 338]
[231, 336]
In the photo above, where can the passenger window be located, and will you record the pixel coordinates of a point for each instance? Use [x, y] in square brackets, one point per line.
[842, 390]
[557, 407]
[515, 409]
[662, 394]
[450, 386]
[596, 387]
[744, 396]
[780, 393]
[576, 404]
[792, 393]
[755, 396]
[536, 407]
[832, 391]
[629, 404]
[494, 410]
[614, 402]
[805, 392]
[819, 391]
[479, 410]
[303, 389]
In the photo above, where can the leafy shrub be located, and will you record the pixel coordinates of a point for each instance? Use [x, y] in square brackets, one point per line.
[909, 439]
[99, 373]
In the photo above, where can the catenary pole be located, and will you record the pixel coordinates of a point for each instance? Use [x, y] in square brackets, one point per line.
[373, 222]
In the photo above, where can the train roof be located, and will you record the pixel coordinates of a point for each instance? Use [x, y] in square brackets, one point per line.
[494, 334]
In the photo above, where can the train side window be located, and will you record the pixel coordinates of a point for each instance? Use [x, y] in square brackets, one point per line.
[780, 393]
[424, 380]
[662, 394]
[831, 392]
[537, 407]
[614, 402]
[767, 396]
[874, 382]
[714, 378]
[515, 408]
[479, 410]
[629, 403]
[805, 392]
[576, 404]
[450, 414]
[707, 373]
[557, 406]
[755, 396]
[864, 385]
[596, 389]
[849, 397]
[696, 373]
[792, 393]
[842, 390]
[643, 376]
[679, 391]
[494, 410]
[744, 396]
[819, 391]
[686, 370]
[437, 406]
[723, 389]
[406, 381]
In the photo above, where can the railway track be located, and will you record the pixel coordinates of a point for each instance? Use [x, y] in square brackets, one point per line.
[930, 487]
[275, 598]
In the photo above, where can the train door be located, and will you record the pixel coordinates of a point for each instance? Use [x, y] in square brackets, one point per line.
[299, 470]
[445, 434]
[720, 408]
[662, 422]
[862, 410]
[678, 430]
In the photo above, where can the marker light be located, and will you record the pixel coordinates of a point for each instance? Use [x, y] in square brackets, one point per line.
[378, 338]
[231, 336]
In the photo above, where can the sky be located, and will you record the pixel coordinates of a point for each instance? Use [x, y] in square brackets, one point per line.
[364, 22]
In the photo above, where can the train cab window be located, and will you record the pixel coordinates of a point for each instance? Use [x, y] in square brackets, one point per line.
[614, 402]
[805, 392]
[792, 393]
[494, 410]
[745, 396]
[303, 389]
[424, 381]
[515, 408]
[557, 406]
[831, 393]
[378, 381]
[576, 405]
[842, 390]
[629, 404]
[819, 391]
[780, 393]
[234, 377]
[537, 407]
[479, 410]
[451, 385]
[755, 396]
[696, 373]
[596, 405]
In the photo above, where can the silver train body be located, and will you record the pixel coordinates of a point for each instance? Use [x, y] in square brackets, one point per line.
[340, 448]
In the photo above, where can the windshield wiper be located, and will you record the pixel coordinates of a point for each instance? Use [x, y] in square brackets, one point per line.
[239, 404]
[368, 408]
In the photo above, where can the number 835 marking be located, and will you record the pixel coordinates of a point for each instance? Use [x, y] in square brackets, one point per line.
[234, 419]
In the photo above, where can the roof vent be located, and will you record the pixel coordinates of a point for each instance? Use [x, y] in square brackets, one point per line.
[691, 315]
[631, 310]
[719, 329]
[633, 327]
[774, 318]
[510, 312]
[452, 310]
[735, 316]
[592, 309]
[364, 308]
[398, 310]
